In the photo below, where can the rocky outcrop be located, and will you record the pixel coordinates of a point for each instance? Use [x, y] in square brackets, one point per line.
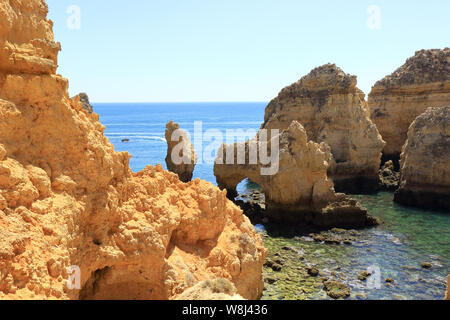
[84, 99]
[299, 191]
[67, 199]
[425, 162]
[389, 177]
[181, 157]
[333, 110]
[218, 289]
[395, 101]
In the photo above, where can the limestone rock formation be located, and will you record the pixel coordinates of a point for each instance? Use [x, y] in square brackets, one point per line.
[218, 289]
[181, 157]
[395, 101]
[84, 99]
[67, 199]
[300, 190]
[425, 161]
[333, 110]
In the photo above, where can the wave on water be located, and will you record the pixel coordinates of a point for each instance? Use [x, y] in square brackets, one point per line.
[134, 136]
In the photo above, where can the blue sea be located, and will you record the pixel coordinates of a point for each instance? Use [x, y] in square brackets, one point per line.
[407, 238]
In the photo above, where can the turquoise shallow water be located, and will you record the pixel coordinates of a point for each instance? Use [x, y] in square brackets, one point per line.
[407, 238]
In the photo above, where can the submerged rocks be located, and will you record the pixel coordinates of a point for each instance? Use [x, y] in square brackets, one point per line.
[181, 157]
[395, 101]
[68, 199]
[333, 110]
[425, 162]
[299, 191]
[336, 289]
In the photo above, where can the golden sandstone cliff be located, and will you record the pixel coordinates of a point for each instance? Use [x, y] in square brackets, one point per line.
[298, 190]
[68, 199]
[333, 110]
[181, 157]
[395, 101]
[425, 161]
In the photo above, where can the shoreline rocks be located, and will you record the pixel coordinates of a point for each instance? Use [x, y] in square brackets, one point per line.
[333, 110]
[425, 162]
[181, 158]
[67, 198]
[395, 101]
[300, 190]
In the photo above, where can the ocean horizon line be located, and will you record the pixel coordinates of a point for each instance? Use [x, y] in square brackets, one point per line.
[173, 102]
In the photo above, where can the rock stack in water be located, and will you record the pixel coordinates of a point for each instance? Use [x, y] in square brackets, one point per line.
[425, 162]
[67, 199]
[297, 188]
[181, 157]
[333, 110]
[395, 101]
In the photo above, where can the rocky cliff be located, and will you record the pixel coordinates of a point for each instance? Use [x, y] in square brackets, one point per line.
[395, 101]
[181, 157]
[299, 191]
[447, 294]
[425, 161]
[68, 199]
[333, 110]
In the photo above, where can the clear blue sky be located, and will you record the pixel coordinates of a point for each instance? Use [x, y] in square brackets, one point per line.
[234, 50]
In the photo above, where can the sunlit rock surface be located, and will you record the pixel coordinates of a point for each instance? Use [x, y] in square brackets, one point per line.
[68, 199]
[395, 101]
[333, 110]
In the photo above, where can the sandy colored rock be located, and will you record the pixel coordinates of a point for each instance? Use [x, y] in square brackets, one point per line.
[68, 199]
[181, 157]
[395, 101]
[218, 289]
[425, 161]
[299, 191]
[333, 110]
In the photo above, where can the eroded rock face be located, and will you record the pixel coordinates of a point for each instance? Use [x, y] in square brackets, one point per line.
[84, 99]
[181, 157]
[395, 101]
[425, 161]
[333, 110]
[68, 199]
[300, 190]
